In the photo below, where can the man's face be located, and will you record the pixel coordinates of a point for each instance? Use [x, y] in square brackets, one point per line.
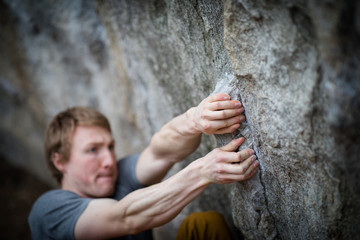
[91, 170]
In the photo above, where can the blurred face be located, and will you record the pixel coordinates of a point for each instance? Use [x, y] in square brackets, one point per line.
[91, 170]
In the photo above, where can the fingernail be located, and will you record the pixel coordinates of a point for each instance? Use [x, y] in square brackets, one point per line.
[251, 152]
[239, 110]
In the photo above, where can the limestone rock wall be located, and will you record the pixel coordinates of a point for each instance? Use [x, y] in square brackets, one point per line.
[293, 64]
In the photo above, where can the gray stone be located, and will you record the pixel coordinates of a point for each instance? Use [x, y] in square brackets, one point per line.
[293, 64]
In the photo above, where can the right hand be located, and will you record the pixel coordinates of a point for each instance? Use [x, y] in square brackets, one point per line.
[223, 165]
[217, 114]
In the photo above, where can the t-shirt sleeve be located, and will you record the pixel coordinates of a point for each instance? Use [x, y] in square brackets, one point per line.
[55, 214]
[127, 180]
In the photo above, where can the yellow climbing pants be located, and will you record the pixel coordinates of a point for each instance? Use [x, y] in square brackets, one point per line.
[205, 226]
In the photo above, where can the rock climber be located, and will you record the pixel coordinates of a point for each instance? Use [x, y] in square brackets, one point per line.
[101, 198]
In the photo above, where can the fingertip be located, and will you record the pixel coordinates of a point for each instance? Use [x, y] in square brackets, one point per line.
[241, 139]
[237, 141]
[226, 97]
[237, 103]
[222, 96]
[234, 127]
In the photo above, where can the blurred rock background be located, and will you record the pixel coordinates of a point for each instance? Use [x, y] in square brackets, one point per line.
[294, 64]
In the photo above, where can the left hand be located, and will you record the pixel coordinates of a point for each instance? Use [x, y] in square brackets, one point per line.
[218, 165]
[217, 114]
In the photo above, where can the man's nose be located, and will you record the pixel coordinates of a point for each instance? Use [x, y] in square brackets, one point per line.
[108, 159]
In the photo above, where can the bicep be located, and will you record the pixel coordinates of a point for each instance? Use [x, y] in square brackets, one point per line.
[101, 220]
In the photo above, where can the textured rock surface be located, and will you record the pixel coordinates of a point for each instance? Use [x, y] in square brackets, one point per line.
[293, 64]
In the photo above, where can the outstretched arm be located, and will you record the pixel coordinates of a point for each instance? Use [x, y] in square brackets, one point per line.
[160, 203]
[217, 114]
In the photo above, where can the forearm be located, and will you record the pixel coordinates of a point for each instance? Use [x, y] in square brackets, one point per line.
[177, 139]
[160, 203]
[173, 143]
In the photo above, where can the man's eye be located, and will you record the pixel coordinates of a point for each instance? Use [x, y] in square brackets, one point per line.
[93, 150]
[111, 147]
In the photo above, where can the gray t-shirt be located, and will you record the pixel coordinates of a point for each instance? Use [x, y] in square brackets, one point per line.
[55, 213]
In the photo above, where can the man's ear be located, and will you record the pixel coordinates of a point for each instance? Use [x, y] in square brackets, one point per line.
[58, 162]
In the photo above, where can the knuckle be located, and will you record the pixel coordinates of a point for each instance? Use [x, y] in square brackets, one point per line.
[220, 170]
[241, 178]
[217, 158]
[238, 157]
[220, 178]
[207, 126]
[228, 122]
[218, 105]
[242, 156]
[203, 116]
[242, 170]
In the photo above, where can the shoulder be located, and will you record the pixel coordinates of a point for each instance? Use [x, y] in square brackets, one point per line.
[58, 197]
[56, 211]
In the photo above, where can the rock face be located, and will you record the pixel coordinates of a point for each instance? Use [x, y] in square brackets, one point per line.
[293, 64]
